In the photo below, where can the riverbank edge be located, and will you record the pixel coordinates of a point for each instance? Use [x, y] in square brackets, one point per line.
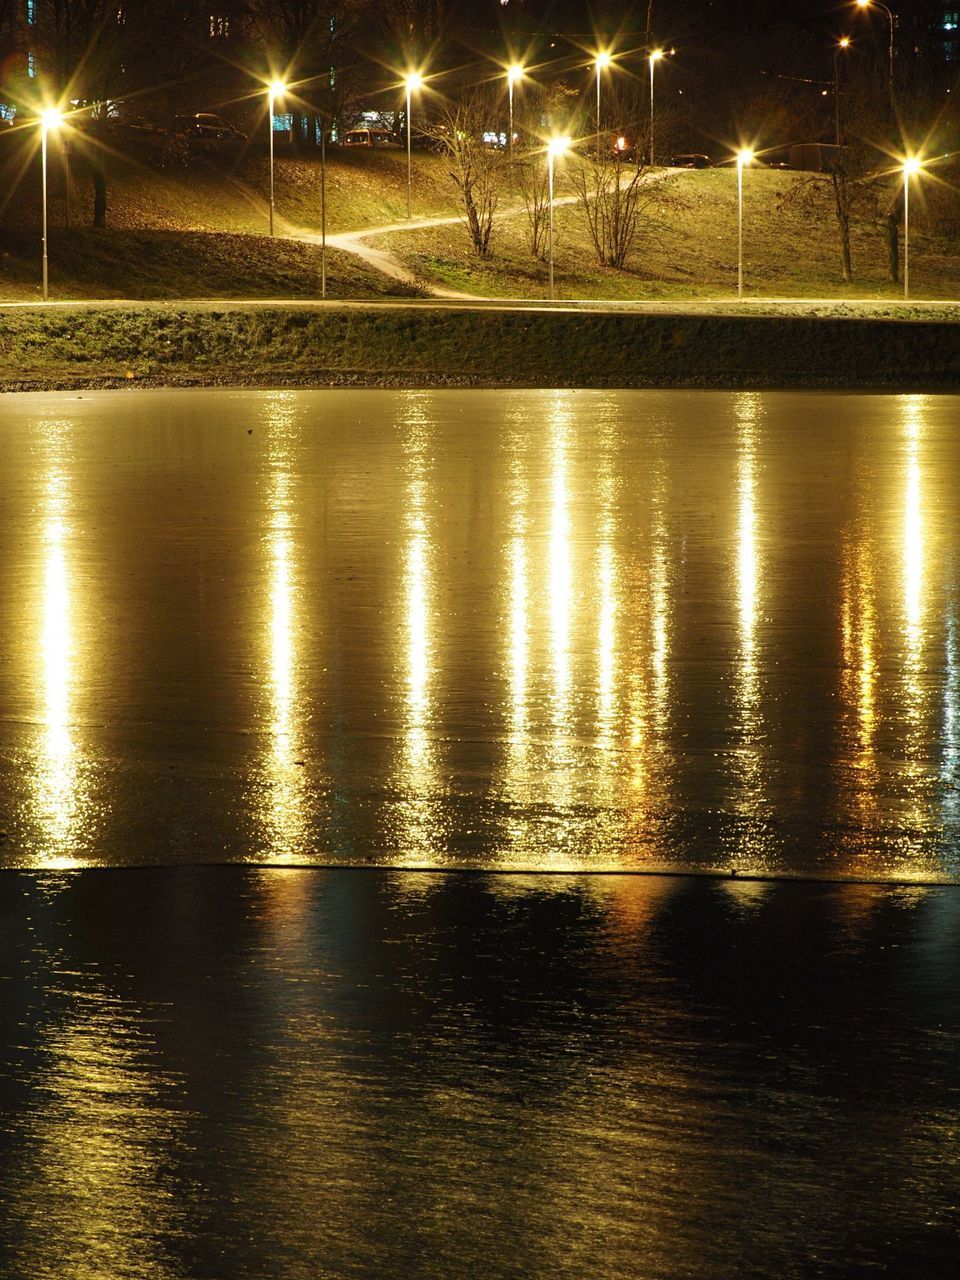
[86, 347]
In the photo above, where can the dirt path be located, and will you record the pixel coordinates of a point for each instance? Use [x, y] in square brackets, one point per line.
[384, 261]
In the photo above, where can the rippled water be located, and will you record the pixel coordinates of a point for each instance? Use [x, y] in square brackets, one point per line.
[242, 1073]
[502, 629]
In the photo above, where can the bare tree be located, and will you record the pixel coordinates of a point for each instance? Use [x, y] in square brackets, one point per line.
[617, 198]
[475, 166]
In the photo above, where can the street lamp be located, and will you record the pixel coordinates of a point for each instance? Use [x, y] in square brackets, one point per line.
[275, 89]
[555, 148]
[413, 82]
[891, 24]
[49, 119]
[842, 44]
[911, 168]
[601, 62]
[514, 76]
[653, 60]
[744, 157]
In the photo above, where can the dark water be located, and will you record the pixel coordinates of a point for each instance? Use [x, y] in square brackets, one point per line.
[522, 629]
[253, 1073]
[479, 632]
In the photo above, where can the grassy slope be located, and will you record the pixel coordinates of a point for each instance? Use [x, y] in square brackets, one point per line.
[411, 345]
[690, 251]
[178, 233]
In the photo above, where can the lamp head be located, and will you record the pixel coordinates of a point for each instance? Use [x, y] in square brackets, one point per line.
[276, 88]
[514, 72]
[558, 146]
[413, 81]
[656, 55]
[744, 156]
[912, 166]
[51, 118]
[603, 60]
[843, 42]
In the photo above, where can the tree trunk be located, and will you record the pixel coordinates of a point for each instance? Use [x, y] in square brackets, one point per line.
[99, 193]
[842, 208]
[892, 224]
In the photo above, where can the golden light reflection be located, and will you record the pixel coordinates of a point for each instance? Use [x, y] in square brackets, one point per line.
[950, 768]
[560, 567]
[420, 827]
[860, 671]
[62, 806]
[914, 578]
[284, 800]
[99, 1147]
[748, 757]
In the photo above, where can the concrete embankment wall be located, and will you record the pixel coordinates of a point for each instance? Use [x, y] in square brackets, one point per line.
[274, 344]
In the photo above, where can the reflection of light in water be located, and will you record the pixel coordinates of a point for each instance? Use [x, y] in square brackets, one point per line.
[606, 639]
[418, 830]
[561, 570]
[950, 769]
[914, 608]
[62, 807]
[518, 644]
[284, 800]
[747, 765]
[859, 682]
[98, 1149]
[746, 895]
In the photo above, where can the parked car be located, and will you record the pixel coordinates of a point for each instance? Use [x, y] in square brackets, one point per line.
[206, 129]
[370, 138]
[690, 160]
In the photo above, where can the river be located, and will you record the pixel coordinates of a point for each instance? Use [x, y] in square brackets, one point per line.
[315, 709]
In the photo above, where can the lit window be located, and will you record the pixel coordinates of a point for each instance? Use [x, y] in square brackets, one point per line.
[31, 64]
[219, 26]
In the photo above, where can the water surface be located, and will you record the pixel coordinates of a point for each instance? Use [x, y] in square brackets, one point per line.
[542, 630]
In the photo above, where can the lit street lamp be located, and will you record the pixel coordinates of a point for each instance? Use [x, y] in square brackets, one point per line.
[413, 82]
[842, 44]
[323, 205]
[601, 62]
[49, 119]
[744, 157]
[891, 25]
[911, 167]
[514, 76]
[275, 89]
[556, 147]
[653, 60]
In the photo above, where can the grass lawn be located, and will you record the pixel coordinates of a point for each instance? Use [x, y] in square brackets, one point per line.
[688, 251]
[198, 231]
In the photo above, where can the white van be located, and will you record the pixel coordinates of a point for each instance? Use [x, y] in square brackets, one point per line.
[369, 138]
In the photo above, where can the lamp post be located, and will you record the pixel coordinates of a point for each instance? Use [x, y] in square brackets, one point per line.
[49, 119]
[413, 81]
[601, 62]
[744, 157]
[275, 89]
[911, 167]
[891, 25]
[555, 148]
[842, 44]
[514, 76]
[654, 58]
[323, 205]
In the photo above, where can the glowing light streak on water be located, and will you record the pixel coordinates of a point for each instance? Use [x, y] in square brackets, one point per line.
[283, 799]
[419, 831]
[747, 768]
[62, 805]
[560, 565]
[914, 578]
